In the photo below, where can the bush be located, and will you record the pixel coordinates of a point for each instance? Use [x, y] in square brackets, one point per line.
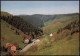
[69, 37]
[44, 43]
[17, 32]
[64, 34]
[34, 48]
[12, 28]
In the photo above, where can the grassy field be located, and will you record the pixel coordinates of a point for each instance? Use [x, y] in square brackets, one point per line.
[61, 47]
[68, 45]
[10, 35]
[53, 25]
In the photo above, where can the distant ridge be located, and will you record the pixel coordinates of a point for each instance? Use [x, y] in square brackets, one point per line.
[40, 19]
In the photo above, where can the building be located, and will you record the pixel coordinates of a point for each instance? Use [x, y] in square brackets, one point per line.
[13, 48]
[51, 34]
[27, 39]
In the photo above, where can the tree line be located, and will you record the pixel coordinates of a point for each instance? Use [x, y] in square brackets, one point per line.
[22, 25]
[73, 27]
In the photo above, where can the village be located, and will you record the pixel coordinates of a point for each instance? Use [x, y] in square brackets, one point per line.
[12, 48]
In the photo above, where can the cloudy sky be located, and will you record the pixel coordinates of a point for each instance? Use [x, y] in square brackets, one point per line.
[40, 7]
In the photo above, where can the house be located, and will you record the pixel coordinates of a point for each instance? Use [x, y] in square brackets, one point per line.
[13, 48]
[9, 47]
[27, 39]
[51, 34]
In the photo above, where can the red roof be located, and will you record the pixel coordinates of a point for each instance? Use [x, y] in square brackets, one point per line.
[29, 38]
[10, 45]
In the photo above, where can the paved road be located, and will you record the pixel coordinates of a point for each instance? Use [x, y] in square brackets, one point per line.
[27, 47]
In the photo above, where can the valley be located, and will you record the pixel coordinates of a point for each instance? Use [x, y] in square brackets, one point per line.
[64, 29]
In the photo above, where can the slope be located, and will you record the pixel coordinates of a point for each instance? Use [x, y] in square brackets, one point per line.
[40, 19]
[66, 41]
[8, 35]
[60, 21]
[21, 24]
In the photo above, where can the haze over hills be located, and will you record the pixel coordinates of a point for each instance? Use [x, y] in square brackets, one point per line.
[40, 19]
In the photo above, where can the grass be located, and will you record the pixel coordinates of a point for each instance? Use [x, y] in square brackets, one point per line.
[10, 35]
[66, 46]
[62, 47]
[54, 25]
[4, 53]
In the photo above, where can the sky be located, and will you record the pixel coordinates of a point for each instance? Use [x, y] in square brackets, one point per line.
[40, 7]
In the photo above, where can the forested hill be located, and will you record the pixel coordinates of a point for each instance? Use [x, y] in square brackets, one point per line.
[73, 27]
[5, 13]
[20, 24]
[36, 21]
[40, 19]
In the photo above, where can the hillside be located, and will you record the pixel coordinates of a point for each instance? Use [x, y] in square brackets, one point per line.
[65, 39]
[40, 20]
[5, 13]
[37, 19]
[8, 35]
[33, 20]
[62, 47]
[21, 24]
[64, 42]
[14, 30]
[64, 28]
[60, 21]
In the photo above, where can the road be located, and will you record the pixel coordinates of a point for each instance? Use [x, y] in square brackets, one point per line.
[27, 47]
